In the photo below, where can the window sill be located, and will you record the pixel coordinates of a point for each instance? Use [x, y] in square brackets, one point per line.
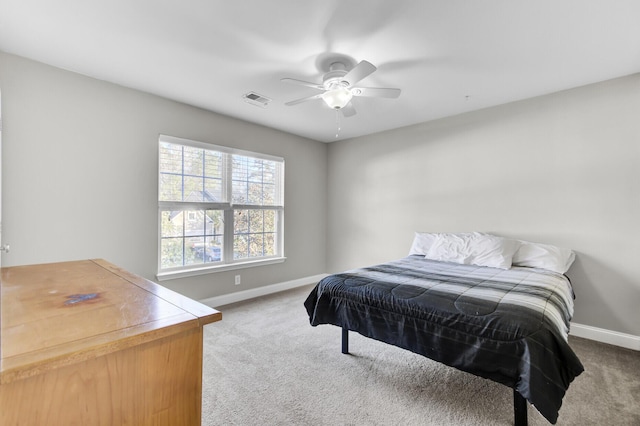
[184, 273]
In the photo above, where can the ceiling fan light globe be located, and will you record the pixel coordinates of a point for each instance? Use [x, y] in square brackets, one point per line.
[337, 98]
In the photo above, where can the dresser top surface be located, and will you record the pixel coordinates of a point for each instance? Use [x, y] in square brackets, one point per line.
[80, 308]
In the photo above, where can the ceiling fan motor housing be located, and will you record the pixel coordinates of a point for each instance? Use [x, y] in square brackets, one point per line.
[334, 78]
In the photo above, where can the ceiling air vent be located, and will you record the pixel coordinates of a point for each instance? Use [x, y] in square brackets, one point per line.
[255, 99]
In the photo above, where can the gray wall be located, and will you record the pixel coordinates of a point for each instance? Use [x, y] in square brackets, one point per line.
[562, 169]
[79, 180]
[79, 176]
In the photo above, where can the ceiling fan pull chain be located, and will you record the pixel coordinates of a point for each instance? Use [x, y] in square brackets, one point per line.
[337, 123]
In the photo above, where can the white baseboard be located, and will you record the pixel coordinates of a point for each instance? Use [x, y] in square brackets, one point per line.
[624, 340]
[239, 296]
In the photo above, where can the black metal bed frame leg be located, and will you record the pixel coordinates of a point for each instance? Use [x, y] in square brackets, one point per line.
[345, 340]
[519, 409]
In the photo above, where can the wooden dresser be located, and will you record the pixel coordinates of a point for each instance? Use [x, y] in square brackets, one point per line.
[88, 343]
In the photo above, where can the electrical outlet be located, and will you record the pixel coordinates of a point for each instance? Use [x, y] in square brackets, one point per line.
[237, 280]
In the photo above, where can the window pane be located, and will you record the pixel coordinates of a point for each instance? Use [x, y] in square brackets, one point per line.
[240, 246]
[171, 224]
[170, 187]
[269, 221]
[254, 233]
[256, 221]
[194, 222]
[193, 161]
[170, 158]
[214, 164]
[171, 252]
[214, 249]
[269, 194]
[240, 192]
[240, 168]
[270, 248]
[214, 223]
[191, 237]
[170, 172]
[256, 245]
[194, 251]
[269, 174]
[254, 168]
[254, 193]
[193, 189]
[212, 190]
[240, 221]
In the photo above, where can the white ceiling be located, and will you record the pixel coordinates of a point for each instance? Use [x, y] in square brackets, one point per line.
[447, 56]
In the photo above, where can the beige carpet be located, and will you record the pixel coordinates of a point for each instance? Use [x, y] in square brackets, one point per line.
[265, 365]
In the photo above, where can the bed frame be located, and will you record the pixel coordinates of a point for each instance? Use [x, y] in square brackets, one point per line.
[519, 402]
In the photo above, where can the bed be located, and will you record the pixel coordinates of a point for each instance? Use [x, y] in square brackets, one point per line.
[505, 322]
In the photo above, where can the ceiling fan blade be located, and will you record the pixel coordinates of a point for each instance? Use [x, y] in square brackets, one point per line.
[348, 110]
[308, 98]
[302, 83]
[360, 71]
[376, 92]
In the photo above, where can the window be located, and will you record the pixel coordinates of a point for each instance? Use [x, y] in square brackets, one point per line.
[218, 207]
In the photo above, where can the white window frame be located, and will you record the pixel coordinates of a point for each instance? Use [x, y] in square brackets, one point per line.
[229, 208]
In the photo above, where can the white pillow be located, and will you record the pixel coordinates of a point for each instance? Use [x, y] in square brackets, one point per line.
[545, 256]
[422, 241]
[473, 248]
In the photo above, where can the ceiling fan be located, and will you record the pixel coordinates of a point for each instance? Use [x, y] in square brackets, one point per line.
[338, 87]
